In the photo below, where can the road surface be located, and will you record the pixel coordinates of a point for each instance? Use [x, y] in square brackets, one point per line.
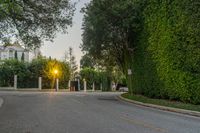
[37, 112]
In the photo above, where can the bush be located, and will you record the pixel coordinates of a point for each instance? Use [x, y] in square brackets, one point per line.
[91, 75]
[28, 73]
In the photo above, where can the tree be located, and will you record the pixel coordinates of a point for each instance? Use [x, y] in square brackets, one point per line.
[110, 32]
[32, 21]
[118, 76]
[87, 61]
[89, 75]
[72, 63]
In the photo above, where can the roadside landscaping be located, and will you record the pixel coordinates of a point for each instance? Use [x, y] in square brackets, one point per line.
[162, 102]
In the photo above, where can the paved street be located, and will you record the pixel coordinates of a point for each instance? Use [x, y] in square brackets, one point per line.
[35, 112]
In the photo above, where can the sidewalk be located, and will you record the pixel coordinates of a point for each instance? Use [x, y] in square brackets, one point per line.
[176, 110]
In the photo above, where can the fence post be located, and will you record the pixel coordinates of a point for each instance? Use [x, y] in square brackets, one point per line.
[57, 84]
[69, 85]
[93, 87]
[40, 83]
[85, 85]
[15, 82]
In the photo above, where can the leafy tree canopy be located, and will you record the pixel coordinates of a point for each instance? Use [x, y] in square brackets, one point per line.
[110, 28]
[87, 61]
[32, 21]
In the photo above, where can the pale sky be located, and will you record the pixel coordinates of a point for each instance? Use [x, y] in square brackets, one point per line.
[62, 42]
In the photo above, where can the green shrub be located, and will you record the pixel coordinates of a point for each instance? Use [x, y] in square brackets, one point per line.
[28, 73]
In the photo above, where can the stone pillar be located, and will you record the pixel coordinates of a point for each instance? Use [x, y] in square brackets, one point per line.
[79, 87]
[40, 83]
[57, 84]
[93, 87]
[69, 85]
[101, 87]
[85, 85]
[15, 82]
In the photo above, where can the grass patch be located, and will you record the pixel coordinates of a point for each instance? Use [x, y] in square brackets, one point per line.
[162, 102]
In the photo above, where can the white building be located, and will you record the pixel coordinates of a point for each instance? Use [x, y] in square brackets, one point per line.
[13, 51]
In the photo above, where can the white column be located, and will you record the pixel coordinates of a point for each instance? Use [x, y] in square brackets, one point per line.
[15, 82]
[69, 84]
[85, 86]
[101, 87]
[93, 87]
[40, 83]
[57, 84]
[79, 88]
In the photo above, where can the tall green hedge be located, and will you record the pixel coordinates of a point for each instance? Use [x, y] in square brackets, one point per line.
[167, 56]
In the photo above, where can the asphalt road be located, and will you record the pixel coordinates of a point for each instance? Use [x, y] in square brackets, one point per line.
[25, 112]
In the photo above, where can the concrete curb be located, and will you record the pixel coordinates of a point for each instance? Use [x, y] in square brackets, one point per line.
[181, 111]
[1, 102]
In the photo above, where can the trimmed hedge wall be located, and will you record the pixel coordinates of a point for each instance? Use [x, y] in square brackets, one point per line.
[167, 56]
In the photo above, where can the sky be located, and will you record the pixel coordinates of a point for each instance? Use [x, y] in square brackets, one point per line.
[72, 39]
